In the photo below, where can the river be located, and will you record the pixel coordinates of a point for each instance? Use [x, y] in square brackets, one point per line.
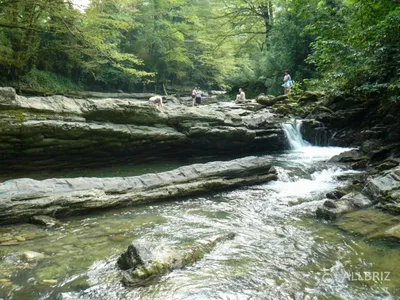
[280, 250]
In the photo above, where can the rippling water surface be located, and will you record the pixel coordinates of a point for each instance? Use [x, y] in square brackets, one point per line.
[280, 251]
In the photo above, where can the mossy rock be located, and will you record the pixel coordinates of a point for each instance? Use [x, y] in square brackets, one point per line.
[144, 272]
[282, 109]
[266, 100]
[310, 97]
[392, 233]
[371, 223]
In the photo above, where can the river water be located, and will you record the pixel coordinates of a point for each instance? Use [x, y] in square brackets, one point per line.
[280, 250]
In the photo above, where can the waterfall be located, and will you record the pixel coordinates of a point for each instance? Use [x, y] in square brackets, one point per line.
[293, 135]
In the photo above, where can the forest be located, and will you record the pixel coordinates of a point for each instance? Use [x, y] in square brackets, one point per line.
[339, 46]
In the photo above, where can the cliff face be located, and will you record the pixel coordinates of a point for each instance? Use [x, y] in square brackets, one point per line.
[354, 121]
[60, 132]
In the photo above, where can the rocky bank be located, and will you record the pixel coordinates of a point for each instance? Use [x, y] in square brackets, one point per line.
[368, 123]
[56, 132]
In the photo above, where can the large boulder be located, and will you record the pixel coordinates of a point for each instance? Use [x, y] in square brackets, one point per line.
[20, 199]
[267, 100]
[386, 190]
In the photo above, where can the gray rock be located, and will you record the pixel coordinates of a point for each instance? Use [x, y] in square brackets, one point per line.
[58, 132]
[130, 259]
[387, 165]
[360, 165]
[361, 201]
[32, 256]
[335, 195]
[354, 177]
[330, 213]
[330, 204]
[348, 156]
[332, 210]
[385, 187]
[21, 199]
[145, 271]
[7, 95]
[45, 221]
[267, 100]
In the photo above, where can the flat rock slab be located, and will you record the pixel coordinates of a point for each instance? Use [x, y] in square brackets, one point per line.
[371, 223]
[21, 199]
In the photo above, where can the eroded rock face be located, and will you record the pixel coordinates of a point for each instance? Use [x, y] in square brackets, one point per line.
[59, 132]
[21, 199]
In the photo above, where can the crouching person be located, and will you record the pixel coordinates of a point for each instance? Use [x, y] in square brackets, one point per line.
[157, 101]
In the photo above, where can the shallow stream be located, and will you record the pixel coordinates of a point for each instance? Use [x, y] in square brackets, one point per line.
[280, 250]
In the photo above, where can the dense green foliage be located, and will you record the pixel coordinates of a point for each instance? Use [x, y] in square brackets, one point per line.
[134, 45]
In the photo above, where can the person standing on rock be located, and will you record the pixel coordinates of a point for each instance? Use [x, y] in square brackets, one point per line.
[198, 97]
[287, 83]
[241, 96]
[157, 101]
[194, 92]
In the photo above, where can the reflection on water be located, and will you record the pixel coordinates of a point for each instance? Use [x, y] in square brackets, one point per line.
[280, 251]
[118, 170]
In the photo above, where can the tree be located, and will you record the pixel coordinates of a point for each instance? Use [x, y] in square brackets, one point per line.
[53, 36]
[357, 44]
[250, 18]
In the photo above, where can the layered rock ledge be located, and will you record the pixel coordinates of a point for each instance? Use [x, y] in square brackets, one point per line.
[58, 132]
[20, 199]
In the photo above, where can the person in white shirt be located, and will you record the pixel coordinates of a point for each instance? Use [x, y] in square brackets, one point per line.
[287, 83]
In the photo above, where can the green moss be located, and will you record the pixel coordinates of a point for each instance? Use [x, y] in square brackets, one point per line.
[180, 259]
[17, 115]
[369, 222]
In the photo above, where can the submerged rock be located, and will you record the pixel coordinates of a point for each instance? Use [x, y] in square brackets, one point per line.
[130, 259]
[45, 221]
[146, 271]
[20, 199]
[32, 256]
[371, 223]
